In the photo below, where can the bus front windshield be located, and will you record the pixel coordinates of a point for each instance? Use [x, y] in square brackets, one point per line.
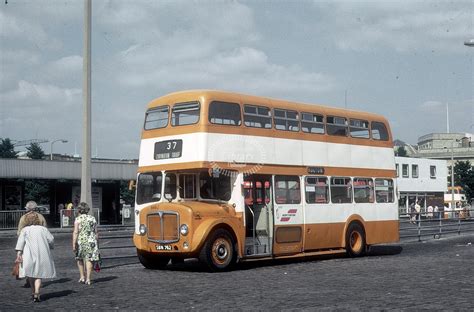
[188, 186]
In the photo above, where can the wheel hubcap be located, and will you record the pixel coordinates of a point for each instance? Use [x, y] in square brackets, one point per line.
[221, 250]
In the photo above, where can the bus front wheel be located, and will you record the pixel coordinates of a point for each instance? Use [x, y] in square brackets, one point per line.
[151, 261]
[218, 252]
[355, 240]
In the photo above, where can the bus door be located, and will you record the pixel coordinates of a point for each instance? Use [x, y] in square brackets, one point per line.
[258, 215]
[288, 215]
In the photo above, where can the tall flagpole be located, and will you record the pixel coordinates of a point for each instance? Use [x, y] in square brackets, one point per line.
[86, 189]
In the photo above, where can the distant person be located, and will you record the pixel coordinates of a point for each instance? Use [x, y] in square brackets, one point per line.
[412, 213]
[436, 212]
[85, 243]
[430, 212]
[30, 210]
[418, 211]
[33, 248]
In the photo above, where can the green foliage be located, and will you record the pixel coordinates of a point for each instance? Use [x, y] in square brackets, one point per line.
[38, 191]
[401, 152]
[7, 149]
[127, 195]
[464, 177]
[35, 151]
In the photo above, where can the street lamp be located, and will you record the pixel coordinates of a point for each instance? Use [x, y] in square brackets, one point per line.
[62, 140]
[469, 42]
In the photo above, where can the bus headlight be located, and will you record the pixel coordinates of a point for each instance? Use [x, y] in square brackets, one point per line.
[142, 229]
[184, 229]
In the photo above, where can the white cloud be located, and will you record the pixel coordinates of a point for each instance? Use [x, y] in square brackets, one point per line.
[31, 95]
[403, 26]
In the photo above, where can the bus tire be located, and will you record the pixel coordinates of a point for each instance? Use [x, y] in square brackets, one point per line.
[218, 252]
[355, 240]
[151, 261]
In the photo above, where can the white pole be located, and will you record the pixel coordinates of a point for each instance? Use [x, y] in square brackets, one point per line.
[452, 176]
[447, 117]
[86, 189]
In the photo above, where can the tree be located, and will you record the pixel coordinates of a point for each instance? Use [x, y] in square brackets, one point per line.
[37, 190]
[7, 149]
[401, 152]
[464, 177]
[35, 151]
[126, 194]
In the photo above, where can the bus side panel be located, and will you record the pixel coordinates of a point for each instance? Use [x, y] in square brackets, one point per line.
[323, 235]
[382, 232]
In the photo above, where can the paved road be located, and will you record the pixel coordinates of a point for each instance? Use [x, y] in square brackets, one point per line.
[433, 275]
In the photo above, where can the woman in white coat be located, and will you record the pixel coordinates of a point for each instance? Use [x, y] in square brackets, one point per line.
[34, 253]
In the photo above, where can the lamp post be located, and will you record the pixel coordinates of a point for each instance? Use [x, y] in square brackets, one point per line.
[58, 140]
[469, 42]
[452, 175]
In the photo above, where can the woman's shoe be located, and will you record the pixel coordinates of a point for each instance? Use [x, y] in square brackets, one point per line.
[88, 282]
[36, 298]
[81, 281]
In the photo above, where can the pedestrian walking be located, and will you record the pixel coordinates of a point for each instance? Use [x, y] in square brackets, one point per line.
[85, 243]
[30, 210]
[30, 207]
[418, 212]
[33, 248]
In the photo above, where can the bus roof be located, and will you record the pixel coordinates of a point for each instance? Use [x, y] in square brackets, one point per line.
[209, 95]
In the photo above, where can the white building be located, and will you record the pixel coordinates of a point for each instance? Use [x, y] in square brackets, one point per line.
[420, 179]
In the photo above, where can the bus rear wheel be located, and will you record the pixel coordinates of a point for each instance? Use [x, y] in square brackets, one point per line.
[218, 252]
[151, 261]
[355, 240]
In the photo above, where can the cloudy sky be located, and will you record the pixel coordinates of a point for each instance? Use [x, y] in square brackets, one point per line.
[402, 59]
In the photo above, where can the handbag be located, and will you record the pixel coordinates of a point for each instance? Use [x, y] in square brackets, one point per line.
[96, 265]
[16, 270]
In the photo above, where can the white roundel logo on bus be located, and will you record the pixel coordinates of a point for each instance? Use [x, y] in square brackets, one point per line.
[234, 154]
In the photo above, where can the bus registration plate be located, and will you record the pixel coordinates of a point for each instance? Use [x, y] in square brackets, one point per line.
[163, 247]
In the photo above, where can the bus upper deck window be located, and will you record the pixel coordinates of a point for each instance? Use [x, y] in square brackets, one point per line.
[359, 128]
[223, 113]
[185, 114]
[379, 131]
[257, 116]
[287, 120]
[336, 126]
[312, 123]
[157, 118]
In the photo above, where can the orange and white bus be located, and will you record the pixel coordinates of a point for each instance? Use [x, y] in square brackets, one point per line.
[227, 177]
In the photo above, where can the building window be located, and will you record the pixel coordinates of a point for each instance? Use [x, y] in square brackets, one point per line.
[433, 172]
[312, 123]
[185, 114]
[317, 190]
[414, 171]
[223, 113]
[341, 190]
[405, 170]
[257, 116]
[397, 169]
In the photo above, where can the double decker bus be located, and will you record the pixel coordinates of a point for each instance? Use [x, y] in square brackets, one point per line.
[227, 177]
